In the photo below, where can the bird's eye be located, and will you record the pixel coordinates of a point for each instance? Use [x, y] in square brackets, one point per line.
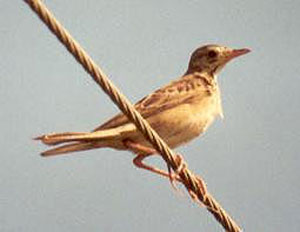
[212, 54]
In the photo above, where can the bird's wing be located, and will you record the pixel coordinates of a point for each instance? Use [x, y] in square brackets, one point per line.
[177, 92]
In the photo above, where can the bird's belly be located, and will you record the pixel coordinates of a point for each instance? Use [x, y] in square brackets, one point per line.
[184, 123]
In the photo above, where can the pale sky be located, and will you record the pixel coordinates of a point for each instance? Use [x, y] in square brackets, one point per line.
[249, 160]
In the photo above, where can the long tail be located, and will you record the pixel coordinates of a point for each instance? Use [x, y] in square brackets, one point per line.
[80, 141]
[72, 147]
[58, 138]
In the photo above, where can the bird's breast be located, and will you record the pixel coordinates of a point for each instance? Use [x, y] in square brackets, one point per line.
[185, 122]
[205, 111]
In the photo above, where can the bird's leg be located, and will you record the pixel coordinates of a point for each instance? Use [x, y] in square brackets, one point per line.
[200, 182]
[143, 152]
[138, 162]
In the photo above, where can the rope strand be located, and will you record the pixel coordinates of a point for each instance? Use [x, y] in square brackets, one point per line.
[188, 178]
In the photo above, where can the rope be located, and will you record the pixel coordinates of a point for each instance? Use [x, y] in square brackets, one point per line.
[188, 178]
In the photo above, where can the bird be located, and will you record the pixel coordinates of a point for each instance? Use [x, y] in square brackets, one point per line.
[179, 112]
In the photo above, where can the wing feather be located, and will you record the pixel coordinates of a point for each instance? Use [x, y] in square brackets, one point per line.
[177, 92]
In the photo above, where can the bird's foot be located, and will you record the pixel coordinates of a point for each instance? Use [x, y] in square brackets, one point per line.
[173, 176]
[176, 177]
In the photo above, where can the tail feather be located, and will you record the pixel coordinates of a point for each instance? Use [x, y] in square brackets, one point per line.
[55, 139]
[72, 147]
[81, 141]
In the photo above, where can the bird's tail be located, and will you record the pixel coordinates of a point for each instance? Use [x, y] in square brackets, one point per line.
[58, 138]
[72, 147]
[80, 141]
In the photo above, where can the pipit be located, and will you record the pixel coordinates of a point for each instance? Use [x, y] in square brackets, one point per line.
[178, 112]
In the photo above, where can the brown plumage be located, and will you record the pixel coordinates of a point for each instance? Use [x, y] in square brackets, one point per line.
[179, 112]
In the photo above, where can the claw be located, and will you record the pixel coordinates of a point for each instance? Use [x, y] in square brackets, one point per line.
[176, 175]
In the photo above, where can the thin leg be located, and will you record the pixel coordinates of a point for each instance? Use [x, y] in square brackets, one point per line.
[143, 152]
[200, 182]
[138, 162]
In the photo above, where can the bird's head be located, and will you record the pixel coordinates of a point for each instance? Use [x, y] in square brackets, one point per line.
[212, 58]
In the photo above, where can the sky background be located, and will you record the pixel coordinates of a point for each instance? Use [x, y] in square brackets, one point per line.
[250, 160]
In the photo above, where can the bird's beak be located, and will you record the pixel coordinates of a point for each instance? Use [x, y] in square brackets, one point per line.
[237, 52]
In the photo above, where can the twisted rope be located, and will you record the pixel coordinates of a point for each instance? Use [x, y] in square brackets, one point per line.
[188, 178]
